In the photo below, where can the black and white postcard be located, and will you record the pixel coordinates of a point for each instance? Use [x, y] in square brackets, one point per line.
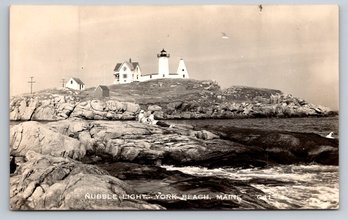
[202, 107]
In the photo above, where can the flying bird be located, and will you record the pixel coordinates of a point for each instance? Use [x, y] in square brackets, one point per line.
[260, 7]
[224, 36]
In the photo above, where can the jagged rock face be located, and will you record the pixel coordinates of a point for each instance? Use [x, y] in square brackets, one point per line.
[50, 179]
[23, 109]
[285, 147]
[192, 110]
[100, 110]
[44, 182]
[57, 107]
[39, 138]
[181, 146]
[170, 99]
[145, 144]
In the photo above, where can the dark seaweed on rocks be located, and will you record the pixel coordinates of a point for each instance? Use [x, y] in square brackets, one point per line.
[284, 147]
[153, 180]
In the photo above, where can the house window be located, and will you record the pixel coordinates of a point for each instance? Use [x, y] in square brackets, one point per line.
[71, 82]
[125, 81]
[137, 77]
[150, 76]
[124, 68]
[183, 70]
[183, 76]
[163, 75]
[125, 76]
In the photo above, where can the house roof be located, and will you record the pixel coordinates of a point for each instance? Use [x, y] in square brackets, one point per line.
[118, 66]
[103, 87]
[79, 81]
[132, 65]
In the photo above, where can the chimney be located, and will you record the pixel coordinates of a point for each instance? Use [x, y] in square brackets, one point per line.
[130, 60]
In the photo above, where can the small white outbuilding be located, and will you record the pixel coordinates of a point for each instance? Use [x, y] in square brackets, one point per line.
[75, 83]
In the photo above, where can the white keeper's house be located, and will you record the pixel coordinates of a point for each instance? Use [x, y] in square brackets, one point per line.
[129, 71]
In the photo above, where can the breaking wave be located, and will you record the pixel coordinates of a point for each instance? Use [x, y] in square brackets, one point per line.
[298, 186]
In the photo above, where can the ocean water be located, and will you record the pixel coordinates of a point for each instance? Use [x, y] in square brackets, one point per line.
[309, 186]
[304, 187]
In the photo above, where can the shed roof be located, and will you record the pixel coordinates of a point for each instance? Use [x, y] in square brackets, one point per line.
[79, 81]
[103, 87]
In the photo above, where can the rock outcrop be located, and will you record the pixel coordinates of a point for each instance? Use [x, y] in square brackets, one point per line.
[46, 183]
[58, 107]
[55, 173]
[34, 136]
[283, 147]
[176, 191]
[169, 98]
[182, 146]
[285, 106]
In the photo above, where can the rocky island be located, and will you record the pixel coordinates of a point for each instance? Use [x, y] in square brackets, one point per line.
[70, 150]
[170, 98]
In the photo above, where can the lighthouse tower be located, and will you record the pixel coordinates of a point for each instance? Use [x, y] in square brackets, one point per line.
[182, 70]
[163, 64]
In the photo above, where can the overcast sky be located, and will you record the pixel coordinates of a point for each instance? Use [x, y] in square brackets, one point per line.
[291, 48]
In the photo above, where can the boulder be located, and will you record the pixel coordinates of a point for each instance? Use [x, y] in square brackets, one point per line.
[39, 138]
[45, 113]
[114, 105]
[59, 98]
[174, 105]
[132, 107]
[154, 108]
[110, 115]
[83, 105]
[23, 108]
[77, 125]
[46, 183]
[15, 115]
[98, 105]
[205, 135]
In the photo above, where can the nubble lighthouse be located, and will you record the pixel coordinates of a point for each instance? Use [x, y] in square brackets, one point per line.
[130, 71]
[163, 64]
